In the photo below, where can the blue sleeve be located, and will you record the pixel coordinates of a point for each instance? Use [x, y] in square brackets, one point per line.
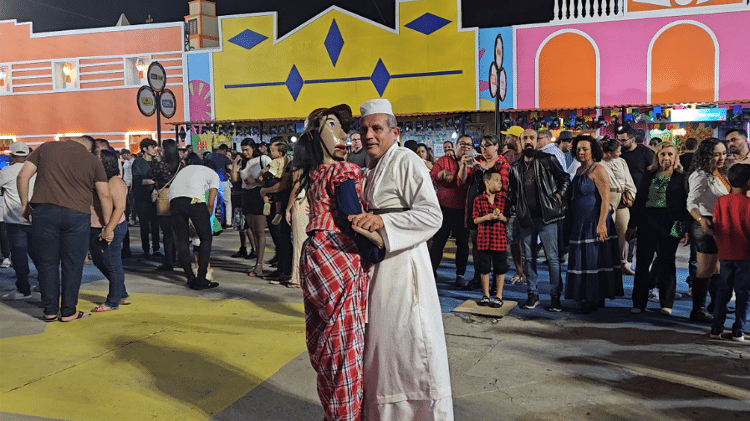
[347, 202]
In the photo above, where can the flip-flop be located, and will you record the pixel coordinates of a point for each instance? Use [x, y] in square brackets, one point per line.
[81, 315]
[45, 319]
[124, 303]
[102, 309]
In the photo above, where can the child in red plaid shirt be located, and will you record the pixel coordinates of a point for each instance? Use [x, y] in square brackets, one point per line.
[492, 244]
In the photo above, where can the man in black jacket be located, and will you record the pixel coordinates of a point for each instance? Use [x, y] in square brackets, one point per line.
[537, 186]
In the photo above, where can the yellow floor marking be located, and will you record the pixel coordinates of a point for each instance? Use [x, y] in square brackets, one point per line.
[169, 357]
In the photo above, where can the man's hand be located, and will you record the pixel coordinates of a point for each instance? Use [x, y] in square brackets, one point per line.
[26, 212]
[367, 221]
[446, 176]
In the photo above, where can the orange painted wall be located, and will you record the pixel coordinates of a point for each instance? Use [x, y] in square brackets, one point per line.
[18, 46]
[83, 111]
[567, 81]
[677, 73]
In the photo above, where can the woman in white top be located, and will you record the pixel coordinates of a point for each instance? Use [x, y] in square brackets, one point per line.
[621, 195]
[252, 201]
[706, 183]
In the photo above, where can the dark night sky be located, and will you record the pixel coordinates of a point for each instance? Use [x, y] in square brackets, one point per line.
[56, 15]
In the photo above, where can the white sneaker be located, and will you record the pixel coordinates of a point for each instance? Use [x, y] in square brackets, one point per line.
[15, 295]
[6, 263]
[653, 295]
[267, 209]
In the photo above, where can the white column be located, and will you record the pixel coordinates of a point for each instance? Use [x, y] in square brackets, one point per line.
[556, 10]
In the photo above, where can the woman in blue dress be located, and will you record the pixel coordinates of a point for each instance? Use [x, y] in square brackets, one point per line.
[594, 271]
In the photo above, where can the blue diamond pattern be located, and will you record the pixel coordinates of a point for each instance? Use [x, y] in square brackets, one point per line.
[294, 82]
[247, 39]
[334, 42]
[427, 23]
[380, 77]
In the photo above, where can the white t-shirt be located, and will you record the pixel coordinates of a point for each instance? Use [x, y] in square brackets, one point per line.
[194, 181]
[252, 170]
[12, 202]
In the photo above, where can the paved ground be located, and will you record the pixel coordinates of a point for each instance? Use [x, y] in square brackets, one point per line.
[237, 353]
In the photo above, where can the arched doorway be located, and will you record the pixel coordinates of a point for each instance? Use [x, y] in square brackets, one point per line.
[682, 64]
[567, 71]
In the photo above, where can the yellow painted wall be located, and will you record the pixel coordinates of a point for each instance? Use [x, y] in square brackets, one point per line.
[407, 52]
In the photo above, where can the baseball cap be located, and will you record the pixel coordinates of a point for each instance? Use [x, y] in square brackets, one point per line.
[19, 149]
[514, 130]
[565, 135]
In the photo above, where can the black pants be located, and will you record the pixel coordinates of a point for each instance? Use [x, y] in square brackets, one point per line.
[282, 239]
[149, 225]
[165, 223]
[197, 213]
[654, 239]
[453, 221]
[4, 243]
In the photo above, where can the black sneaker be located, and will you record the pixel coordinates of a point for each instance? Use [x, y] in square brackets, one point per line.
[701, 316]
[532, 302]
[485, 301]
[241, 253]
[207, 285]
[555, 304]
[157, 254]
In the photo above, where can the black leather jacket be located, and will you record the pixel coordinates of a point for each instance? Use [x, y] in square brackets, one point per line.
[551, 180]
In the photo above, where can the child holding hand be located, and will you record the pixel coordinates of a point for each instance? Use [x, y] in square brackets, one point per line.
[492, 244]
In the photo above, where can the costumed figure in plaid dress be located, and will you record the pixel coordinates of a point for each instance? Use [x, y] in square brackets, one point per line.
[334, 263]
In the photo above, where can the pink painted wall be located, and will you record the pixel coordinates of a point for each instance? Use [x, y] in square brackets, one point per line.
[623, 48]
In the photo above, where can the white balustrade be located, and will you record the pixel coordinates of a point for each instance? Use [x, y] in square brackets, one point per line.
[566, 10]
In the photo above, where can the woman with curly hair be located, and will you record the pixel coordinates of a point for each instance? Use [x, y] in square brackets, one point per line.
[707, 182]
[335, 262]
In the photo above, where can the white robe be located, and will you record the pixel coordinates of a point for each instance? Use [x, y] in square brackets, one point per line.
[406, 361]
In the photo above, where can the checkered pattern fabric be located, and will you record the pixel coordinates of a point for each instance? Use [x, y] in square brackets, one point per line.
[491, 234]
[322, 194]
[450, 194]
[334, 290]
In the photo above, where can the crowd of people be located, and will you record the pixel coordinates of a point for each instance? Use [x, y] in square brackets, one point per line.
[345, 222]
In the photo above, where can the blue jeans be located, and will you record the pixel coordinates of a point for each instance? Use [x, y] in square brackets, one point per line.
[60, 236]
[20, 250]
[548, 234]
[734, 274]
[108, 259]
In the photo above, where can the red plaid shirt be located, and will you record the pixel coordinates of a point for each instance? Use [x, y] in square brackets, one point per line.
[450, 194]
[322, 194]
[491, 234]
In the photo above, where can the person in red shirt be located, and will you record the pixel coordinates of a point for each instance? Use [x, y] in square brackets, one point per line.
[492, 244]
[452, 198]
[731, 225]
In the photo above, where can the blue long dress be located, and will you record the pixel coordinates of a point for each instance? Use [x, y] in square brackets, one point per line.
[594, 271]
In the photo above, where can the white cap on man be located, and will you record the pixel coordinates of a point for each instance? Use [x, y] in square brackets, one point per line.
[19, 149]
[376, 106]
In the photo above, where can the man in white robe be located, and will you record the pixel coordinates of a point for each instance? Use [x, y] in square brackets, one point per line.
[406, 361]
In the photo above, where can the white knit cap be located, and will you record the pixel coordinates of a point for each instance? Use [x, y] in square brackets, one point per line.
[376, 106]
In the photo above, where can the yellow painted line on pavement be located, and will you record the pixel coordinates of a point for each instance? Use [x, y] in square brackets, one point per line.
[165, 357]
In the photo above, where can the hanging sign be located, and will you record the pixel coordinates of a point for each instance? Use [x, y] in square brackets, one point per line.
[146, 101]
[168, 103]
[157, 77]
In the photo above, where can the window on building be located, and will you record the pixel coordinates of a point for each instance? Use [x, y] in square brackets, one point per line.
[135, 70]
[66, 75]
[4, 79]
[193, 26]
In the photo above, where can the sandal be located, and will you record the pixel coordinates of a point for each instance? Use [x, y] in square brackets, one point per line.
[49, 320]
[124, 303]
[102, 309]
[291, 285]
[485, 301]
[81, 315]
[255, 272]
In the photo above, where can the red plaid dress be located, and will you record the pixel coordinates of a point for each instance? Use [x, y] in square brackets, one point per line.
[335, 291]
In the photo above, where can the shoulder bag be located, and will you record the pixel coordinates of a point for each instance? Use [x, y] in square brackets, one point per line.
[161, 196]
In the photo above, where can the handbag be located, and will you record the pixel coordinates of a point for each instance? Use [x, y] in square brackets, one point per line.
[161, 197]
